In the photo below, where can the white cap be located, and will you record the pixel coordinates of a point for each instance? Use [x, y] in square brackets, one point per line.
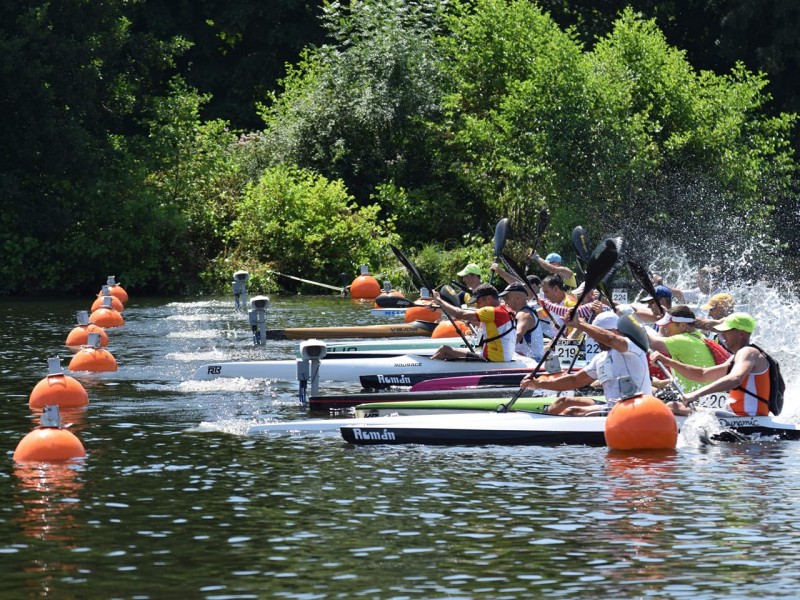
[606, 319]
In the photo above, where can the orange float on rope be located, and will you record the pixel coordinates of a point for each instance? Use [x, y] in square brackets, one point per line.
[116, 303]
[107, 317]
[421, 313]
[58, 390]
[93, 359]
[445, 329]
[50, 442]
[116, 289]
[365, 286]
[641, 423]
[79, 336]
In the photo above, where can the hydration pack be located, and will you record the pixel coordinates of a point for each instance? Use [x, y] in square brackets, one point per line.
[718, 351]
[777, 386]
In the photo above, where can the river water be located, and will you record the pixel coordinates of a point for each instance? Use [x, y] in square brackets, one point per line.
[174, 499]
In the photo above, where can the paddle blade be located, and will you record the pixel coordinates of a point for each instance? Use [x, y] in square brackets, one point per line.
[617, 265]
[581, 243]
[642, 277]
[500, 236]
[449, 295]
[600, 263]
[632, 328]
[543, 222]
[514, 269]
[393, 302]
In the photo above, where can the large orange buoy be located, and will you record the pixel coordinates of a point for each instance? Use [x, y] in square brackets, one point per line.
[93, 358]
[116, 303]
[445, 329]
[58, 389]
[79, 336]
[50, 442]
[641, 423]
[365, 286]
[116, 289]
[421, 313]
[106, 316]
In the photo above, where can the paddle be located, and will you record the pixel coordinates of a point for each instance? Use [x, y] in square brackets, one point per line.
[642, 277]
[600, 263]
[415, 272]
[500, 236]
[341, 289]
[396, 302]
[541, 225]
[581, 243]
[514, 269]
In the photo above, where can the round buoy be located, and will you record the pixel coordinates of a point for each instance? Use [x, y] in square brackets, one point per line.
[79, 336]
[116, 303]
[49, 444]
[93, 359]
[365, 287]
[421, 313]
[107, 317]
[445, 329]
[117, 290]
[59, 390]
[641, 423]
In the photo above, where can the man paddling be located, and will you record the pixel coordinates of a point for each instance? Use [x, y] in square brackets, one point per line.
[497, 325]
[621, 368]
[746, 375]
[530, 341]
[471, 276]
[553, 264]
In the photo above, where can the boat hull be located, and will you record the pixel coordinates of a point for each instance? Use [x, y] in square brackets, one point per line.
[444, 406]
[417, 328]
[389, 370]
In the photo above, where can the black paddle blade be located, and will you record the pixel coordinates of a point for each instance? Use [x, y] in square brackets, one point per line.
[617, 265]
[581, 243]
[632, 328]
[543, 222]
[600, 263]
[500, 236]
[514, 270]
[393, 302]
[449, 295]
[642, 277]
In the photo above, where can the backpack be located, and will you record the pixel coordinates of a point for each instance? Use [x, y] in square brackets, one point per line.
[718, 351]
[777, 386]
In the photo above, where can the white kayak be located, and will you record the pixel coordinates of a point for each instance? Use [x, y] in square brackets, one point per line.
[478, 428]
[398, 346]
[397, 369]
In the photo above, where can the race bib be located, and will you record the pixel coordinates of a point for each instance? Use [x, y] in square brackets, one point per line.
[619, 295]
[604, 371]
[718, 401]
[590, 349]
[567, 350]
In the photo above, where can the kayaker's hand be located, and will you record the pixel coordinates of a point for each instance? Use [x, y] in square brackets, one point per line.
[690, 398]
[494, 267]
[656, 357]
[530, 382]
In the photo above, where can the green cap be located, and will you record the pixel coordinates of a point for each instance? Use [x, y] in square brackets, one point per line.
[470, 269]
[738, 320]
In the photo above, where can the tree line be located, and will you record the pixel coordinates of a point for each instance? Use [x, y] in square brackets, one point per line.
[172, 145]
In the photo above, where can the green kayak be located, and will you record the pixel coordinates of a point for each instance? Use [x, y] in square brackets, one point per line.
[461, 405]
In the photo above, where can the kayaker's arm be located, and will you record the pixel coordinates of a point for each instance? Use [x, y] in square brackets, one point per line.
[690, 371]
[456, 311]
[559, 383]
[602, 336]
[744, 365]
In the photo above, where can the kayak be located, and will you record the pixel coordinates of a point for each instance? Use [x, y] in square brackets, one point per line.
[388, 312]
[385, 369]
[479, 428]
[401, 346]
[417, 328]
[345, 401]
[462, 405]
[510, 376]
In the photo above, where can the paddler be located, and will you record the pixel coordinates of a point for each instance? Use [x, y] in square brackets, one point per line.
[497, 325]
[621, 367]
[746, 374]
[553, 264]
[530, 341]
[471, 276]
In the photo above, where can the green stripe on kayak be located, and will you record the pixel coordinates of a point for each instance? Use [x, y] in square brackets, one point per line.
[533, 404]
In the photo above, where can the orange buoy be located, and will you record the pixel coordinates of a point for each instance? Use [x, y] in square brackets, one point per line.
[116, 303]
[421, 313]
[365, 286]
[94, 359]
[50, 442]
[641, 423]
[116, 289]
[79, 336]
[58, 389]
[106, 316]
[445, 329]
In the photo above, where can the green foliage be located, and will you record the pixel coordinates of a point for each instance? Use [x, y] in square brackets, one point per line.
[302, 224]
[439, 262]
